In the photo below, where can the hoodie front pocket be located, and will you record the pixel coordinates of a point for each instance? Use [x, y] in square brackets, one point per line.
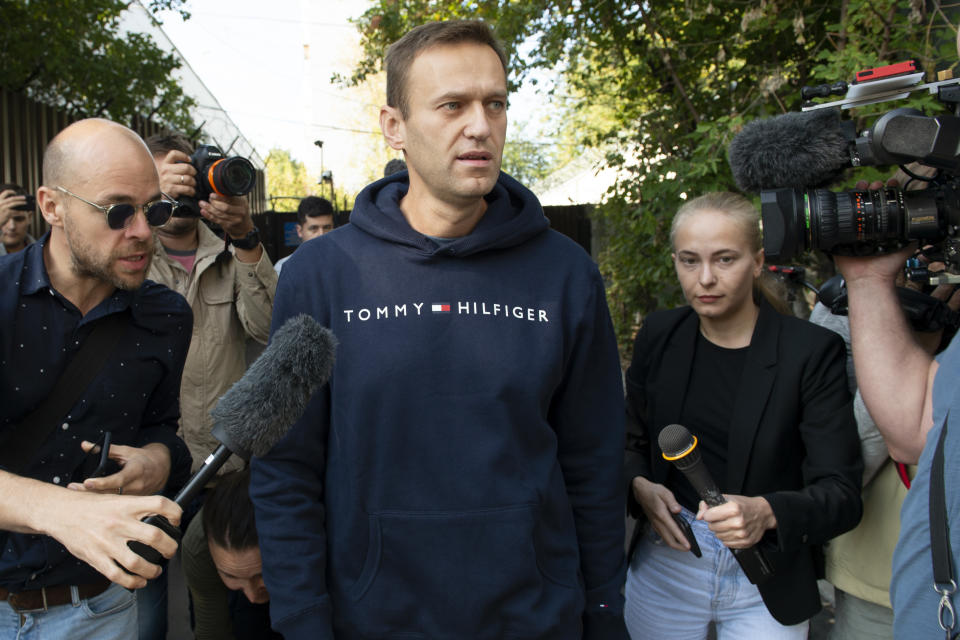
[470, 574]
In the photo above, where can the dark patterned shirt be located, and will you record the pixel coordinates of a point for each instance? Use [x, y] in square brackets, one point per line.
[135, 395]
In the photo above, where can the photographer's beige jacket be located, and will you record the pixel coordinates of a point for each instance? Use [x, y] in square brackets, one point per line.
[230, 300]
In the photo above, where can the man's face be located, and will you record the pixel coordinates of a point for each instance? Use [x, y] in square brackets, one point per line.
[120, 257]
[14, 232]
[454, 132]
[314, 226]
[241, 571]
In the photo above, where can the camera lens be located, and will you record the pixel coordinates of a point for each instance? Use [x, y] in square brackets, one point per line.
[850, 217]
[853, 223]
[232, 176]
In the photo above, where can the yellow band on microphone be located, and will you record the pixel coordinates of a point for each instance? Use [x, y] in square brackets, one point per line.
[684, 452]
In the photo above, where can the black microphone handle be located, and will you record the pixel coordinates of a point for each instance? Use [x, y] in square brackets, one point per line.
[190, 490]
[203, 475]
[698, 475]
[752, 559]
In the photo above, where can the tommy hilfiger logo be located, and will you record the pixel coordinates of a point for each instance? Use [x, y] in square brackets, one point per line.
[415, 309]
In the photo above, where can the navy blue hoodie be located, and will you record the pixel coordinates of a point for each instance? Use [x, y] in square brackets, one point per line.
[460, 475]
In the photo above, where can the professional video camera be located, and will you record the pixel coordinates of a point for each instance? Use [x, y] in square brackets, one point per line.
[789, 158]
[233, 176]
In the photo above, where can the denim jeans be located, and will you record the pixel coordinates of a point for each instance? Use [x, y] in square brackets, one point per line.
[112, 615]
[674, 595]
[152, 607]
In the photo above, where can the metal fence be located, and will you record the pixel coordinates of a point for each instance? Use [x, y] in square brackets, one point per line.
[26, 127]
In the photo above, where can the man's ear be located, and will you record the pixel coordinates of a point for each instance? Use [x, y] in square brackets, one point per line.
[300, 232]
[50, 207]
[392, 125]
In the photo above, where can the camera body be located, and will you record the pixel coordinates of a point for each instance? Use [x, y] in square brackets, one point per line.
[216, 173]
[873, 222]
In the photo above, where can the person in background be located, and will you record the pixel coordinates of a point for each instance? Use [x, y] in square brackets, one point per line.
[766, 396]
[221, 561]
[394, 165]
[314, 218]
[65, 568]
[15, 215]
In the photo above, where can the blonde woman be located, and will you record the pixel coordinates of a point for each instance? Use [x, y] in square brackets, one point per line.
[766, 396]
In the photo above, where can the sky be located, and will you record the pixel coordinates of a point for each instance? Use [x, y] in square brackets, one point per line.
[269, 65]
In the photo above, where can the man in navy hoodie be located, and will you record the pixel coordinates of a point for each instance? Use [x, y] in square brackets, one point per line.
[459, 476]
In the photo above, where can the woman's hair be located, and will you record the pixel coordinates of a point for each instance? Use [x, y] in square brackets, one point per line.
[745, 215]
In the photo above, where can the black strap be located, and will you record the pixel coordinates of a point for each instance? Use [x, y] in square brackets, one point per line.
[943, 570]
[22, 442]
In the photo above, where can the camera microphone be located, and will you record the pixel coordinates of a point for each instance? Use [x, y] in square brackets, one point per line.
[260, 407]
[802, 150]
[679, 446]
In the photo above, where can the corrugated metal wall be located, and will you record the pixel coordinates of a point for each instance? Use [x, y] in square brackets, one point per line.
[27, 126]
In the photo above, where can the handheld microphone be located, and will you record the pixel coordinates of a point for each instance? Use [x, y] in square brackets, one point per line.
[679, 446]
[799, 150]
[260, 407]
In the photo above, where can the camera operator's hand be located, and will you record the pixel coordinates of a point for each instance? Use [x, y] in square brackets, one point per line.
[8, 200]
[177, 175]
[232, 214]
[881, 268]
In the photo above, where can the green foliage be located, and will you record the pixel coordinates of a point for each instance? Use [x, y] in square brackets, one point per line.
[72, 55]
[666, 86]
[526, 160]
[287, 179]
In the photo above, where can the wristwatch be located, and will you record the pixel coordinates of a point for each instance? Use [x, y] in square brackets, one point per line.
[248, 242]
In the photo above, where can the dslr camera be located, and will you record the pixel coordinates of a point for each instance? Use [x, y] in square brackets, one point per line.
[226, 176]
[800, 217]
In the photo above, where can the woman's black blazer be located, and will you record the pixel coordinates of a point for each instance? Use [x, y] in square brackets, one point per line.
[792, 440]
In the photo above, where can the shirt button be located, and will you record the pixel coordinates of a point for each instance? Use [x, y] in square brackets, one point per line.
[65, 426]
[56, 479]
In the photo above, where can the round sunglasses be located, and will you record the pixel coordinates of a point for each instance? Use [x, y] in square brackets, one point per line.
[157, 212]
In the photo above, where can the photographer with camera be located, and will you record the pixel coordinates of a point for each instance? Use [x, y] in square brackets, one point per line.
[229, 289]
[15, 207]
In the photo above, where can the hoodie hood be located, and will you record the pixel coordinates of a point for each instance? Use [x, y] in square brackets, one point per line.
[513, 216]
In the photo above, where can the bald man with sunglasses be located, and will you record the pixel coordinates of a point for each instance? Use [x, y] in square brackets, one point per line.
[65, 566]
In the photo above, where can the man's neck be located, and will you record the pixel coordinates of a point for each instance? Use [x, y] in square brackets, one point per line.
[83, 291]
[13, 248]
[433, 217]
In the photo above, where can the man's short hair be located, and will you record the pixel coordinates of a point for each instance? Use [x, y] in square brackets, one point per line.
[313, 206]
[228, 513]
[161, 143]
[396, 165]
[401, 54]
